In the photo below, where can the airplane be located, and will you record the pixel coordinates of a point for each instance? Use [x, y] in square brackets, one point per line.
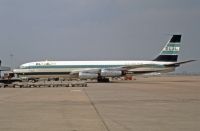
[165, 62]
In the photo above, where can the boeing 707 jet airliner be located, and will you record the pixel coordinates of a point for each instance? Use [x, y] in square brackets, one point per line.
[166, 61]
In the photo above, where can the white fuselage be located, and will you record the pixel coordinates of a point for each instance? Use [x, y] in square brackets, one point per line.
[65, 67]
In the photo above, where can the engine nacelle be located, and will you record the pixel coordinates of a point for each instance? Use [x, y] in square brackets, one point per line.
[108, 73]
[87, 75]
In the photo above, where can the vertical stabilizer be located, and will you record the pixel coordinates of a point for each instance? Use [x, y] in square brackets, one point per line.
[171, 50]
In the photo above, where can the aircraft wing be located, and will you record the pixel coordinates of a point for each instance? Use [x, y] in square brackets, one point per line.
[136, 69]
[120, 68]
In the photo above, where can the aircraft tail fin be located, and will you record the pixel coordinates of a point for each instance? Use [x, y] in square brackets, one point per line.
[171, 50]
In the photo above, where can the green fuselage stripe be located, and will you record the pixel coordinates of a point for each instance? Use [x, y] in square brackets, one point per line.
[82, 66]
[71, 66]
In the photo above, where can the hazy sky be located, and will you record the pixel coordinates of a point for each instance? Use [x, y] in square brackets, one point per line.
[34, 30]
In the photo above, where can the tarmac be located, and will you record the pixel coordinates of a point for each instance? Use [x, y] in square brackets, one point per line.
[146, 104]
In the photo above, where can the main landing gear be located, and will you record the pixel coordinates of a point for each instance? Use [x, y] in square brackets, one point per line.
[103, 80]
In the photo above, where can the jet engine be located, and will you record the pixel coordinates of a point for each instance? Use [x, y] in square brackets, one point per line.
[87, 75]
[110, 73]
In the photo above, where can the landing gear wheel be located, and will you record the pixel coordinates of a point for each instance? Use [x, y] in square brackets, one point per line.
[103, 80]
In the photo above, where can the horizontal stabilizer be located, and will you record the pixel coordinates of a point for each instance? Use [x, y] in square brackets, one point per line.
[179, 63]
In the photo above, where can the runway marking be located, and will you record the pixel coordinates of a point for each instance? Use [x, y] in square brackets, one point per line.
[76, 90]
[96, 110]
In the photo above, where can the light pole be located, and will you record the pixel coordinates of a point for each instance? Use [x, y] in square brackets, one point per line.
[11, 60]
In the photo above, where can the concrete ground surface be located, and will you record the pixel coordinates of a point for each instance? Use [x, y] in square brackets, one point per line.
[146, 104]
